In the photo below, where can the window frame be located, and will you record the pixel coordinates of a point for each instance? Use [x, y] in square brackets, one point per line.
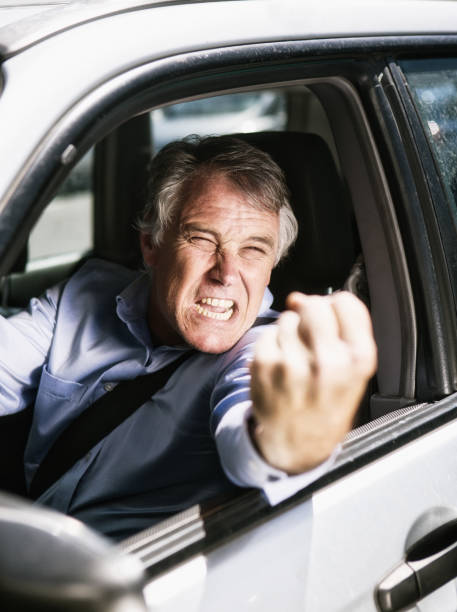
[147, 87]
[419, 189]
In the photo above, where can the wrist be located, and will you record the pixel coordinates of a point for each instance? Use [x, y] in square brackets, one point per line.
[287, 451]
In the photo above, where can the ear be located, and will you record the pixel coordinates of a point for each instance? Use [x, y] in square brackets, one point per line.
[148, 250]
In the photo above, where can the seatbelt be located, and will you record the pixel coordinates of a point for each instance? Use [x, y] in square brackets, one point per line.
[101, 418]
[97, 421]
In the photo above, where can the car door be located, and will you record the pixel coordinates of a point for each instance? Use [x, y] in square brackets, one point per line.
[331, 545]
[366, 536]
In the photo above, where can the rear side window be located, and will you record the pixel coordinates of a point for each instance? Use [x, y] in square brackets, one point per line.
[64, 231]
[238, 112]
[433, 84]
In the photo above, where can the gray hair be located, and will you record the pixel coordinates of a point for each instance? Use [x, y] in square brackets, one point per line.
[174, 170]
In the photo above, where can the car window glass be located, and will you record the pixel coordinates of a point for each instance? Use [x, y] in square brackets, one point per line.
[293, 108]
[433, 84]
[64, 230]
[231, 103]
[230, 113]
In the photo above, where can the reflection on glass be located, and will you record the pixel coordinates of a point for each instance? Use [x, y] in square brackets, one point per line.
[433, 84]
[225, 114]
[64, 230]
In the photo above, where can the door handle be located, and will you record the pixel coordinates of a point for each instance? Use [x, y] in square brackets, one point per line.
[430, 562]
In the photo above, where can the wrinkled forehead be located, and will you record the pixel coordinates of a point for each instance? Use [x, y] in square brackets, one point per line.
[217, 198]
[205, 180]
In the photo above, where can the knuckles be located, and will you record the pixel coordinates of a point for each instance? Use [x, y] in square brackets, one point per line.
[285, 356]
[279, 371]
[334, 361]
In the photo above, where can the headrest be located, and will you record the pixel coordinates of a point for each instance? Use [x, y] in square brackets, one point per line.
[327, 243]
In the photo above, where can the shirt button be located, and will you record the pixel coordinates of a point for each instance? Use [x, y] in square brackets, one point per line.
[108, 386]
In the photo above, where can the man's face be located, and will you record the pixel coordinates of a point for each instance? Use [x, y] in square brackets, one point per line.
[211, 270]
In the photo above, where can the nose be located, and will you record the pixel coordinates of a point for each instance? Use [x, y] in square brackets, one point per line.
[225, 268]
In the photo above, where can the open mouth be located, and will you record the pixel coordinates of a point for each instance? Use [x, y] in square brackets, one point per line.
[215, 308]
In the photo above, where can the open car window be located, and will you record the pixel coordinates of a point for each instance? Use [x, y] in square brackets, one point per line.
[95, 210]
[101, 198]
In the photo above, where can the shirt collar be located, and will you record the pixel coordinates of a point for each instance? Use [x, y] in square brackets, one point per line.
[132, 308]
[267, 301]
[132, 302]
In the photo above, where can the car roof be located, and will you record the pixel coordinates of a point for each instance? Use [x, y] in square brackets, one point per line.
[27, 23]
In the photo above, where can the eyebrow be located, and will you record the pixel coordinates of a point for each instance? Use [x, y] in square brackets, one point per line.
[194, 227]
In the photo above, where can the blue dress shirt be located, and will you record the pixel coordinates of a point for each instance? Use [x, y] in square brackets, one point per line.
[77, 342]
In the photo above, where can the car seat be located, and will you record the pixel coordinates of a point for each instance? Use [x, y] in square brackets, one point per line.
[327, 244]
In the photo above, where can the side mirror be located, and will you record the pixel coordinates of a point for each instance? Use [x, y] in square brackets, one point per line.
[51, 562]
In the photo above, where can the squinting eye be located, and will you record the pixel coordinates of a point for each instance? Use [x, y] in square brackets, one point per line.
[253, 252]
[202, 243]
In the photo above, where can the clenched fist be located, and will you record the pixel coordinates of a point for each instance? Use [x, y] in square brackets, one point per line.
[309, 373]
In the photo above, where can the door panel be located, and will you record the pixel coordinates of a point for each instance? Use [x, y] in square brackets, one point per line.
[330, 552]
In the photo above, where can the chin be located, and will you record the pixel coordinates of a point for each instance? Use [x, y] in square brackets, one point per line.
[212, 344]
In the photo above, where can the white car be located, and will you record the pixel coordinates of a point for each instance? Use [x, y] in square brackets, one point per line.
[366, 133]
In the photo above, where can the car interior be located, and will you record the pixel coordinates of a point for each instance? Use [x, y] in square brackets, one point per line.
[114, 175]
[323, 154]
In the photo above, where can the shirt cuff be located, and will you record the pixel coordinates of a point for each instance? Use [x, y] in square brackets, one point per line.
[246, 468]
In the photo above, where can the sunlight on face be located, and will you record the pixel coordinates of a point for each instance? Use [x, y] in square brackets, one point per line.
[211, 271]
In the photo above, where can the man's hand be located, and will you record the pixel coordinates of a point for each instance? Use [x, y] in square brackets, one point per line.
[308, 376]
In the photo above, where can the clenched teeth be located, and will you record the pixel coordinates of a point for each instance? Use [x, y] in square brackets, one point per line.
[218, 302]
[220, 316]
